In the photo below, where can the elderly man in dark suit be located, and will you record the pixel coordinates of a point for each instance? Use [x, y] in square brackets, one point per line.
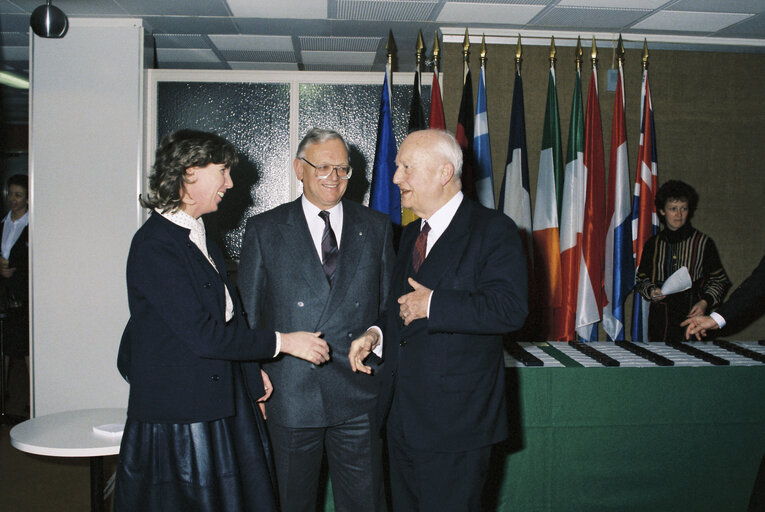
[459, 284]
[324, 262]
[746, 302]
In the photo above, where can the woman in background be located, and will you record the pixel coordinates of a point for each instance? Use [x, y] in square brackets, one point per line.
[194, 439]
[679, 245]
[14, 268]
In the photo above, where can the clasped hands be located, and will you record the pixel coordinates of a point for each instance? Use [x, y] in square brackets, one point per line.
[412, 306]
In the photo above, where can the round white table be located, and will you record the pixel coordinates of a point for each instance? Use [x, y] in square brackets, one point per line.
[71, 434]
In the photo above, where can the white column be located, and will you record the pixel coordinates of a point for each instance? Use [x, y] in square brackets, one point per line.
[86, 133]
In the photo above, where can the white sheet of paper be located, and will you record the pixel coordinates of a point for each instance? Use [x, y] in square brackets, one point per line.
[677, 282]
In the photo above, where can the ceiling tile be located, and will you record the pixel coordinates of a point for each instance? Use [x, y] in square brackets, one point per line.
[744, 6]
[575, 18]
[615, 4]
[186, 55]
[15, 53]
[385, 10]
[305, 9]
[458, 12]
[273, 66]
[689, 21]
[190, 25]
[347, 58]
[752, 27]
[181, 41]
[342, 44]
[171, 7]
[248, 42]
[258, 56]
[14, 39]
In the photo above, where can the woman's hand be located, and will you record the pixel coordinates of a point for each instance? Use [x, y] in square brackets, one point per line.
[269, 389]
[700, 308]
[305, 345]
[656, 295]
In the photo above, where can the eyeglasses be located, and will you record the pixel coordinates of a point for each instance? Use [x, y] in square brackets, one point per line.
[323, 171]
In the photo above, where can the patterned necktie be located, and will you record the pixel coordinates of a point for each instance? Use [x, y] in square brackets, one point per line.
[328, 247]
[420, 246]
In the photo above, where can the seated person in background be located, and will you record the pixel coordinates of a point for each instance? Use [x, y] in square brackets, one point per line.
[745, 303]
[679, 245]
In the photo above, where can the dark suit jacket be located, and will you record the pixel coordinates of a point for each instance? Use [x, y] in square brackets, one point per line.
[747, 301]
[17, 286]
[284, 288]
[447, 371]
[177, 348]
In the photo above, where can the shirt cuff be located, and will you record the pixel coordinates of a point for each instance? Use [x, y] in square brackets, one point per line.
[378, 350]
[430, 298]
[718, 318]
[278, 343]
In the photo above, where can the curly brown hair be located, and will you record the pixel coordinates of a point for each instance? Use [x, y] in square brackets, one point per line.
[179, 151]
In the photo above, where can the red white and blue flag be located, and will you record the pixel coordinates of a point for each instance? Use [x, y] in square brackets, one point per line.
[619, 271]
[645, 222]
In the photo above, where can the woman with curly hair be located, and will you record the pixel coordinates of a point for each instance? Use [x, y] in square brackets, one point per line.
[678, 245]
[194, 439]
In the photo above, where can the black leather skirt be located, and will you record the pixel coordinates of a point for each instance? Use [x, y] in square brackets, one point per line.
[216, 466]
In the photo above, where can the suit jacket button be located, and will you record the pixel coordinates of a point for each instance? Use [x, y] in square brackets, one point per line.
[215, 378]
[300, 304]
[207, 285]
[357, 304]
[350, 335]
[403, 343]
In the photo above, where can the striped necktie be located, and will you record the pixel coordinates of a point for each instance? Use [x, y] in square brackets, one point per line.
[420, 246]
[328, 247]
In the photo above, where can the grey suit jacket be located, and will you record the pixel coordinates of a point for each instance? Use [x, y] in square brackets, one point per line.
[283, 288]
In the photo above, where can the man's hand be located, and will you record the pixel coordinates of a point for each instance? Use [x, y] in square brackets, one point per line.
[269, 389]
[698, 325]
[306, 345]
[361, 347]
[414, 305]
[698, 309]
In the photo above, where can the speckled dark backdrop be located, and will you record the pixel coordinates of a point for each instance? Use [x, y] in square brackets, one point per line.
[255, 118]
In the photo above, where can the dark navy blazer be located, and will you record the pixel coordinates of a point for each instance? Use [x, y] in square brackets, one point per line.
[447, 371]
[177, 349]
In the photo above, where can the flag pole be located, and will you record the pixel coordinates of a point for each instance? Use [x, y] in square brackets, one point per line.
[645, 53]
[579, 54]
[553, 52]
[420, 48]
[518, 55]
[594, 55]
[436, 51]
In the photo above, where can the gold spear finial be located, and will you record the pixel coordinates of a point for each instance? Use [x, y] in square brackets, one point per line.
[465, 55]
[420, 49]
[645, 54]
[620, 51]
[390, 46]
[483, 49]
[518, 53]
[594, 54]
[579, 53]
[553, 52]
[436, 49]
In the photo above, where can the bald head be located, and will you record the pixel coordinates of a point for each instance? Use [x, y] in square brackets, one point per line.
[428, 167]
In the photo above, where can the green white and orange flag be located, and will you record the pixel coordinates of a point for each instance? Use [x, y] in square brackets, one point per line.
[572, 219]
[547, 205]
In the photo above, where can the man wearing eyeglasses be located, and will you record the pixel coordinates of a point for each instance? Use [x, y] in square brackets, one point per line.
[321, 263]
